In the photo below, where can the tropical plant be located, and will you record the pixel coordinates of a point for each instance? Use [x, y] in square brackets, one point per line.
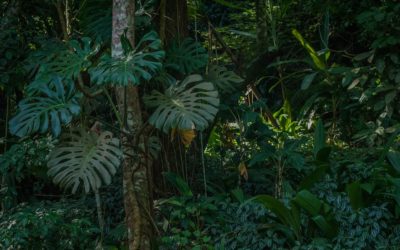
[63, 225]
[189, 104]
[85, 159]
[54, 107]
[224, 80]
[139, 63]
[306, 156]
[96, 19]
[186, 57]
[74, 59]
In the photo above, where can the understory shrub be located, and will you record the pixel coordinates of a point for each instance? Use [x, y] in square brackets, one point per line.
[48, 225]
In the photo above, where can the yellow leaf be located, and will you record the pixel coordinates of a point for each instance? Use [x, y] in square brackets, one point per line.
[187, 136]
[243, 171]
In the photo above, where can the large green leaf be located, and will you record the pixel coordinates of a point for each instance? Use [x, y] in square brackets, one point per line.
[329, 227]
[394, 159]
[320, 211]
[309, 202]
[226, 81]
[289, 217]
[139, 64]
[76, 58]
[187, 57]
[85, 158]
[50, 107]
[190, 104]
[95, 18]
[318, 61]
[354, 190]
[307, 80]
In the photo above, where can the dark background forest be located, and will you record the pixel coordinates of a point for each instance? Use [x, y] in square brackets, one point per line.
[199, 124]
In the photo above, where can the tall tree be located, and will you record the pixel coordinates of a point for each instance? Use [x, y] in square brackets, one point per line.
[136, 191]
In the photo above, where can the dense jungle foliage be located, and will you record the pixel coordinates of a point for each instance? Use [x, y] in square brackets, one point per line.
[199, 124]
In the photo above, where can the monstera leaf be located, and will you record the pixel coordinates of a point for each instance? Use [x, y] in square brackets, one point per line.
[95, 18]
[49, 107]
[85, 158]
[74, 59]
[140, 63]
[226, 81]
[190, 104]
[186, 57]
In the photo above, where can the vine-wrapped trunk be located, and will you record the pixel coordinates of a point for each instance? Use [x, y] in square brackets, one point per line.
[137, 201]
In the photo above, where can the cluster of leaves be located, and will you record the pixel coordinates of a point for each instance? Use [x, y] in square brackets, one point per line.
[48, 225]
[297, 190]
[21, 163]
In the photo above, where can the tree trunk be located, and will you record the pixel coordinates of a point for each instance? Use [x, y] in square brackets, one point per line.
[261, 20]
[136, 191]
[173, 27]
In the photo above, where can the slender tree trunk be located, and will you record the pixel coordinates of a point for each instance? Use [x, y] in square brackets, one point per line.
[261, 20]
[100, 217]
[62, 19]
[137, 200]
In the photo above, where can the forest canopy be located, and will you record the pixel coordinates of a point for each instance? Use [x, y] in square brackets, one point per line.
[199, 124]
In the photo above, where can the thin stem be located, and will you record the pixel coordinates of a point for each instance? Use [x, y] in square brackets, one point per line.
[202, 164]
[162, 20]
[181, 161]
[114, 108]
[67, 18]
[286, 77]
[6, 123]
[99, 214]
